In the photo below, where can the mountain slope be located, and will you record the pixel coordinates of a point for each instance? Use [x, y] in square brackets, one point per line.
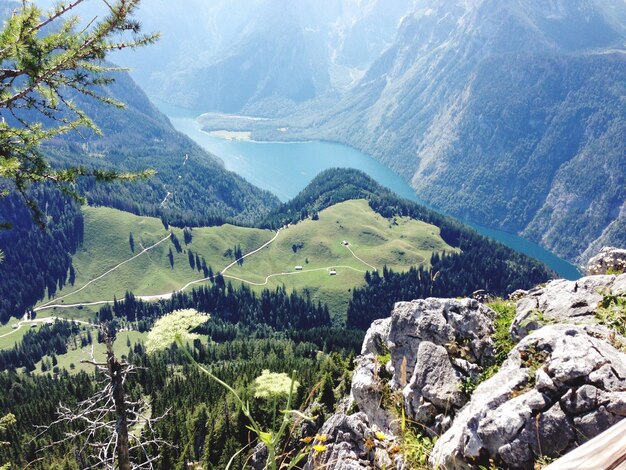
[263, 56]
[383, 233]
[496, 111]
[191, 186]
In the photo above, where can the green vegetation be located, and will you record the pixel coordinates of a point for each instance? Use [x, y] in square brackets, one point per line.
[46, 59]
[253, 328]
[399, 242]
[202, 416]
[414, 444]
[106, 245]
[611, 312]
[271, 386]
[416, 447]
[505, 314]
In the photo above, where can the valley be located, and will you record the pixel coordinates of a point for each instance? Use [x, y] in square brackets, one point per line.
[316, 234]
[285, 168]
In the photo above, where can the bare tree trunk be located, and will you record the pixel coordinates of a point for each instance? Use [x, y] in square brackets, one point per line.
[100, 423]
[117, 383]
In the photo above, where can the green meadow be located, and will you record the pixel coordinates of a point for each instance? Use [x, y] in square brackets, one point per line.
[316, 247]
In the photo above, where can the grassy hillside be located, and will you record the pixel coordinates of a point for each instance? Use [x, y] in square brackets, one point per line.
[106, 244]
[316, 245]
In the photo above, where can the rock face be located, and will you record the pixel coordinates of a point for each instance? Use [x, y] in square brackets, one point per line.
[561, 301]
[433, 347]
[563, 383]
[558, 387]
[607, 260]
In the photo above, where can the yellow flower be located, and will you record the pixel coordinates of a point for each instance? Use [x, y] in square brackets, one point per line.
[380, 436]
[319, 448]
[321, 437]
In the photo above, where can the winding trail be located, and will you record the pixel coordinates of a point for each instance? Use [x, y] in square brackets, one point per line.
[85, 304]
[293, 273]
[366, 264]
[43, 306]
[53, 303]
[148, 298]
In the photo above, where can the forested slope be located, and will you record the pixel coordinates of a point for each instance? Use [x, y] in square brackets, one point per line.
[191, 187]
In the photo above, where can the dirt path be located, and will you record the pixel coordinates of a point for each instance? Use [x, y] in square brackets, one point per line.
[293, 273]
[366, 264]
[148, 298]
[57, 299]
[151, 298]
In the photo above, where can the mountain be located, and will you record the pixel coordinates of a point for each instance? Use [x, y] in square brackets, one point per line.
[509, 114]
[191, 187]
[497, 112]
[265, 56]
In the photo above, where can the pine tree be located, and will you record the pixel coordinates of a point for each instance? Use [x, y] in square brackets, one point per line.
[170, 256]
[45, 57]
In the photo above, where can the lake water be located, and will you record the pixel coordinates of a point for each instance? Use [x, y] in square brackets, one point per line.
[285, 168]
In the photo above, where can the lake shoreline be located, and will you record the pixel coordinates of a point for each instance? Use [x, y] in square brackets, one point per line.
[286, 167]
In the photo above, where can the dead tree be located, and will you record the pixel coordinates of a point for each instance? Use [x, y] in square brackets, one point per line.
[112, 431]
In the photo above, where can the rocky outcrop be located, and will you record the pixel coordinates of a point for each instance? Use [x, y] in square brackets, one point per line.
[561, 301]
[558, 387]
[563, 382]
[608, 260]
[432, 347]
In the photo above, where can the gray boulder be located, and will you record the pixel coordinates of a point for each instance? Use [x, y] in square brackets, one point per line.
[558, 387]
[375, 341]
[609, 259]
[367, 392]
[562, 301]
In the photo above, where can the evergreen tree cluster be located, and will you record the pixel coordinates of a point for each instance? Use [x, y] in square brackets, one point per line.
[202, 423]
[37, 259]
[452, 275]
[277, 308]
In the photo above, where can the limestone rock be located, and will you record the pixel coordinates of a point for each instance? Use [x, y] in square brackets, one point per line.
[551, 394]
[461, 324]
[435, 345]
[375, 341]
[609, 259]
[562, 301]
[367, 390]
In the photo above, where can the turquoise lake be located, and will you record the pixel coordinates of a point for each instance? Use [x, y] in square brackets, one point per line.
[285, 168]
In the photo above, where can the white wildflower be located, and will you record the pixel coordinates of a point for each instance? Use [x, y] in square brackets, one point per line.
[175, 326]
[273, 385]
